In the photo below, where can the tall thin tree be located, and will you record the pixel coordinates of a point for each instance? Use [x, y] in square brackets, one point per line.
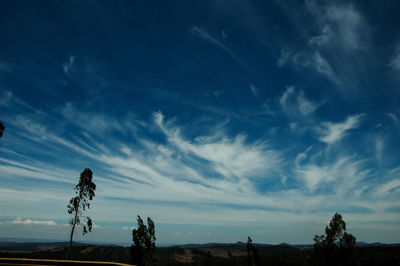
[84, 191]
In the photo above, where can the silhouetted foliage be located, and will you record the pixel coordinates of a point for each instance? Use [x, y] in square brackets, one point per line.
[143, 242]
[2, 128]
[336, 247]
[253, 258]
[77, 205]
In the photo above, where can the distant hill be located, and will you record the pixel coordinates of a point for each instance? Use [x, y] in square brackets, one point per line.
[231, 254]
[33, 245]
[43, 241]
[299, 246]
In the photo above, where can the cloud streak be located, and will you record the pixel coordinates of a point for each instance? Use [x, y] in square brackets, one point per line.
[333, 132]
[395, 60]
[343, 34]
[68, 66]
[204, 35]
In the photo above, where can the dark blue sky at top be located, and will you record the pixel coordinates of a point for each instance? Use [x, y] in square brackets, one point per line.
[146, 53]
[146, 48]
[315, 82]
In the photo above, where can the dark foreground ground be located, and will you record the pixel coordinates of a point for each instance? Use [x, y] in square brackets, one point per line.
[204, 255]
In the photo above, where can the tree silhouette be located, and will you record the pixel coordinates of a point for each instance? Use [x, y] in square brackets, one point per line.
[336, 247]
[253, 258]
[2, 127]
[77, 205]
[143, 242]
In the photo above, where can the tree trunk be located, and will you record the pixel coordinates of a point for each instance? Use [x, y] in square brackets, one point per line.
[72, 234]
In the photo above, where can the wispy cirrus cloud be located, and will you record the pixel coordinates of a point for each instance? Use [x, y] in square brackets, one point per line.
[209, 178]
[229, 157]
[5, 98]
[254, 89]
[68, 66]
[8, 99]
[206, 36]
[340, 25]
[92, 122]
[394, 118]
[294, 102]
[379, 146]
[384, 189]
[395, 60]
[283, 58]
[340, 176]
[322, 66]
[333, 132]
[343, 34]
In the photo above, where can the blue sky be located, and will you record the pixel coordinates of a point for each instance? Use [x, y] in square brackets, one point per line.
[218, 119]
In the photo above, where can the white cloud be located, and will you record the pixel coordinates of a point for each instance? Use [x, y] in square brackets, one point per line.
[96, 226]
[229, 157]
[218, 93]
[203, 34]
[323, 67]
[341, 176]
[128, 228]
[30, 222]
[288, 92]
[39, 172]
[12, 101]
[26, 124]
[306, 107]
[127, 151]
[293, 126]
[301, 156]
[340, 25]
[324, 38]
[343, 34]
[318, 62]
[394, 118]
[395, 60]
[379, 146]
[5, 98]
[224, 35]
[294, 103]
[350, 24]
[333, 132]
[254, 89]
[283, 58]
[93, 122]
[384, 189]
[67, 66]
